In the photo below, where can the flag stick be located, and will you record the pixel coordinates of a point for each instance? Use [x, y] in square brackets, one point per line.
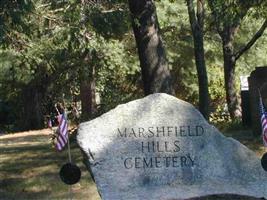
[63, 117]
[69, 154]
[263, 118]
[70, 186]
[259, 92]
[69, 147]
[70, 192]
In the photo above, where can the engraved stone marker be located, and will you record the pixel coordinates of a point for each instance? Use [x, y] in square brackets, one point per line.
[160, 148]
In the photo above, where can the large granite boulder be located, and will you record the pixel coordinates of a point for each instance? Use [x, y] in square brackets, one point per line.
[160, 148]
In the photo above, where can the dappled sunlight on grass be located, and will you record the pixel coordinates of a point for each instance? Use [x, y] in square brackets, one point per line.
[29, 169]
[40, 170]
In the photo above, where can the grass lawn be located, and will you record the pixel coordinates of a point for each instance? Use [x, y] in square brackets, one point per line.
[29, 167]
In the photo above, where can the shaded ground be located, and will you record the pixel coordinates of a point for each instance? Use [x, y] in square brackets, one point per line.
[246, 137]
[29, 168]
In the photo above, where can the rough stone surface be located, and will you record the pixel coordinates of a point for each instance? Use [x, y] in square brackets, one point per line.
[161, 148]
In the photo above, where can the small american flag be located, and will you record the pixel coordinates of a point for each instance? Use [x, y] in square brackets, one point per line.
[263, 122]
[62, 130]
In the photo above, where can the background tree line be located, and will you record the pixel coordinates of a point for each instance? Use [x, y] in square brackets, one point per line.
[79, 50]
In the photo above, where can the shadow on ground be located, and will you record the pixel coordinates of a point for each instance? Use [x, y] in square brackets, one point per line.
[29, 169]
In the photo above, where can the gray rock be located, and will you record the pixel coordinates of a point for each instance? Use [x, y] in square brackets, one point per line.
[160, 147]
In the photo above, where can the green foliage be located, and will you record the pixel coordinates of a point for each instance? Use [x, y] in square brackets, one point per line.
[176, 31]
[49, 46]
[115, 71]
[53, 59]
[247, 16]
[220, 116]
[111, 23]
[14, 16]
[216, 85]
[227, 126]
[231, 12]
[179, 44]
[256, 56]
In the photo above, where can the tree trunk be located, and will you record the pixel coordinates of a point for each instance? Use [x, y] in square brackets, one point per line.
[32, 116]
[197, 31]
[202, 76]
[229, 74]
[32, 98]
[155, 72]
[87, 93]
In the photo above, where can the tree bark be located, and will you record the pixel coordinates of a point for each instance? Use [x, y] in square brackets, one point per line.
[32, 115]
[229, 72]
[197, 32]
[155, 72]
[87, 75]
[87, 93]
[32, 96]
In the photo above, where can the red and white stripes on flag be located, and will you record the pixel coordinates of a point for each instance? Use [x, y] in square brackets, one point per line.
[263, 116]
[62, 130]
